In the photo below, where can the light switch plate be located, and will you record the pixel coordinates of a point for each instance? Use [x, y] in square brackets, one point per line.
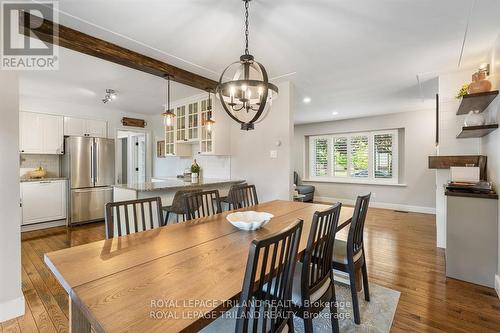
[273, 154]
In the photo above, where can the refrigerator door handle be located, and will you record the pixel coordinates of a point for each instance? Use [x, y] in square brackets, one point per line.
[96, 162]
[92, 163]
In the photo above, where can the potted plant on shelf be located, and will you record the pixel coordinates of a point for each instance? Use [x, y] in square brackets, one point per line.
[195, 172]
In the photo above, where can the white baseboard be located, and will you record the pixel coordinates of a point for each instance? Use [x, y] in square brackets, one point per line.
[497, 285]
[384, 205]
[12, 309]
[42, 225]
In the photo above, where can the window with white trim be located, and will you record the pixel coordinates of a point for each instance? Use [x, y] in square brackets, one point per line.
[357, 157]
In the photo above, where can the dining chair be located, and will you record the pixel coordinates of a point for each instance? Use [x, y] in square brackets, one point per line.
[261, 308]
[178, 206]
[202, 204]
[349, 256]
[128, 217]
[313, 281]
[226, 199]
[243, 196]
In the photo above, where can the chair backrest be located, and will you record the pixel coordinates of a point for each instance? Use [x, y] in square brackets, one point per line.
[128, 217]
[317, 261]
[202, 204]
[179, 203]
[268, 281]
[243, 196]
[355, 237]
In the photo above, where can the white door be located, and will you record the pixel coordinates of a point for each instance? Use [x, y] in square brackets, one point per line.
[30, 132]
[52, 134]
[74, 126]
[43, 201]
[96, 128]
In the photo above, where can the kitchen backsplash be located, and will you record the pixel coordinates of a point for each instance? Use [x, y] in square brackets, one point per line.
[32, 161]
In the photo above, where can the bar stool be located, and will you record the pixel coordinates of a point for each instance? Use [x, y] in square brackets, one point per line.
[178, 206]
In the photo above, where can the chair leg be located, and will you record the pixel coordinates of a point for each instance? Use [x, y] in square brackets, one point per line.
[365, 282]
[166, 217]
[308, 323]
[354, 295]
[334, 310]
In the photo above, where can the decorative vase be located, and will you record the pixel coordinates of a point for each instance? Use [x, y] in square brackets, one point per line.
[479, 83]
[474, 118]
[194, 177]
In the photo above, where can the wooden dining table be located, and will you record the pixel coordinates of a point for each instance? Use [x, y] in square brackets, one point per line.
[177, 278]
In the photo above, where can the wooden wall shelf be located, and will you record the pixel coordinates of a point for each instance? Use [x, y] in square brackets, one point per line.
[479, 101]
[445, 162]
[476, 131]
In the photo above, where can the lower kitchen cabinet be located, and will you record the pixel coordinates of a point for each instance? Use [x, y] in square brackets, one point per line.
[43, 201]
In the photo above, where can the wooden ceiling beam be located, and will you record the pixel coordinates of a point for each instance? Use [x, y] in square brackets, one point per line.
[83, 43]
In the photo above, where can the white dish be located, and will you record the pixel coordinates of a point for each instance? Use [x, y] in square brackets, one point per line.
[249, 220]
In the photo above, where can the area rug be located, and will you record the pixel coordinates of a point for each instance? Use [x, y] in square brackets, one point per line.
[376, 315]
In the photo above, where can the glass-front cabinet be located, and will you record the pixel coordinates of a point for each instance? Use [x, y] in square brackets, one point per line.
[180, 115]
[170, 139]
[192, 121]
[206, 144]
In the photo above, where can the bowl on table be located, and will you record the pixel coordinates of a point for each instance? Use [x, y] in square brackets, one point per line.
[249, 220]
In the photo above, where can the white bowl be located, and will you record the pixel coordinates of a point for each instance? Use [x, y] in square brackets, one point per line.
[249, 220]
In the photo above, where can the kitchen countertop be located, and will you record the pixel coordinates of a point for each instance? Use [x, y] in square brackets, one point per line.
[47, 179]
[176, 183]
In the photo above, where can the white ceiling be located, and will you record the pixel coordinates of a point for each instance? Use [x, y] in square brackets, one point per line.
[83, 79]
[357, 58]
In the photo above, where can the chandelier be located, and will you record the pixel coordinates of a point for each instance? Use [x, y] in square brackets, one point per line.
[167, 114]
[249, 94]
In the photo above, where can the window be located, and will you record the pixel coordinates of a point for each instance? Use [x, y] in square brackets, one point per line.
[367, 156]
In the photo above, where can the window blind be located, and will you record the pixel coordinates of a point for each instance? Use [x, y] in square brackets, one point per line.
[340, 157]
[359, 156]
[319, 165]
[383, 144]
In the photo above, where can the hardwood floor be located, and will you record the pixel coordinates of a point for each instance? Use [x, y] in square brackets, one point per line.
[401, 254]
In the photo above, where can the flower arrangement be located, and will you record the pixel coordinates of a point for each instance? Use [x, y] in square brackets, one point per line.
[463, 91]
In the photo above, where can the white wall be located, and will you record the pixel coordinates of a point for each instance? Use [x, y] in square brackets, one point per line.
[100, 112]
[11, 296]
[417, 195]
[491, 142]
[449, 126]
[250, 150]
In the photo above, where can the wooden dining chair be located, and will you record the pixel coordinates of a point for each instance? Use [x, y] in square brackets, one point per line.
[264, 306]
[127, 217]
[178, 206]
[313, 282]
[202, 204]
[243, 196]
[349, 256]
[226, 199]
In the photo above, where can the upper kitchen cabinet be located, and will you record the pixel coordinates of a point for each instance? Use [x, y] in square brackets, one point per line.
[40, 133]
[85, 127]
[217, 140]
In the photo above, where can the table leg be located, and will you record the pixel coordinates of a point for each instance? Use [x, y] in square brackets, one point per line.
[77, 321]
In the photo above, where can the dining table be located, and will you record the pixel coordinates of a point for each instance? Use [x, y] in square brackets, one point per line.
[176, 278]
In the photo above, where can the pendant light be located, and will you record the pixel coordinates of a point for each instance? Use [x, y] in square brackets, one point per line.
[209, 122]
[168, 116]
[249, 94]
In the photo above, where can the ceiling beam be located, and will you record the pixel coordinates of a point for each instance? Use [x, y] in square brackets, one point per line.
[83, 43]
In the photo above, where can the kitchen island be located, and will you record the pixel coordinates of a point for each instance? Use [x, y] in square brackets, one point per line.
[165, 188]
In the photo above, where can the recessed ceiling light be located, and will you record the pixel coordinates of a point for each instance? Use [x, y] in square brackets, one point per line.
[335, 113]
[307, 100]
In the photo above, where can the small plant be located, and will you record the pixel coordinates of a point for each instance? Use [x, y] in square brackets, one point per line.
[195, 168]
[463, 91]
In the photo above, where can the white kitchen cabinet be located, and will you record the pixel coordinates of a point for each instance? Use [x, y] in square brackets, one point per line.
[43, 201]
[85, 127]
[217, 141]
[40, 133]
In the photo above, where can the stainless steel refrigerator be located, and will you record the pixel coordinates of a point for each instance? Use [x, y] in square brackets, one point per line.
[89, 165]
